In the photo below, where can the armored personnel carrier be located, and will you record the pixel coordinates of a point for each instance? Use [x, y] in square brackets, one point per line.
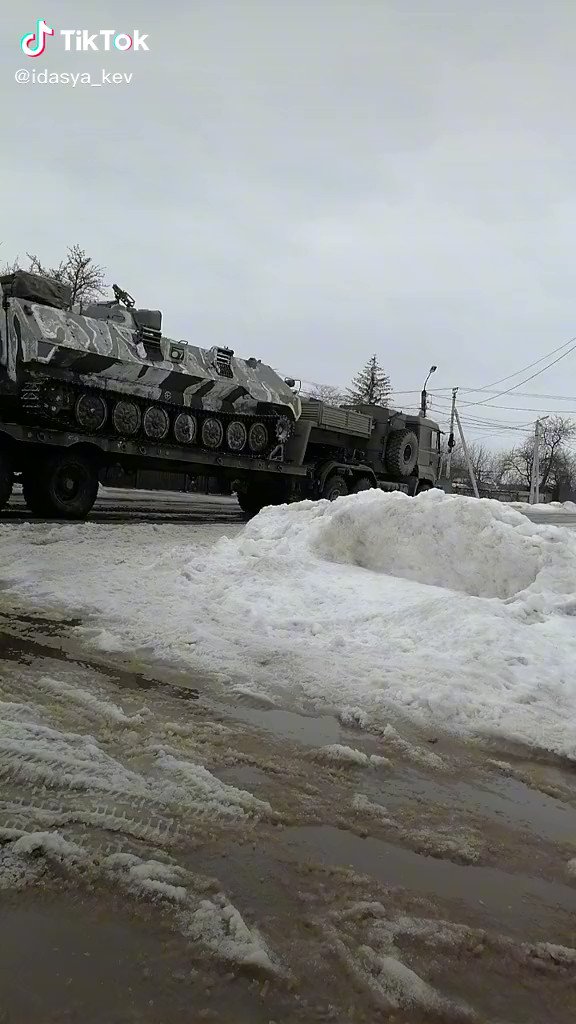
[111, 370]
[102, 396]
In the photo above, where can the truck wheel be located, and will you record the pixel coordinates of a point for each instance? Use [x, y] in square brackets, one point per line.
[251, 502]
[424, 485]
[254, 500]
[257, 497]
[402, 453]
[6, 480]
[64, 486]
[363, 484]
[335, 487]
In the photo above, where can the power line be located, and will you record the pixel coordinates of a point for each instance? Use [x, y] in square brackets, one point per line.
[523, 394]
[469, 417]
[528, 408]
[529, 367]
[526, 379]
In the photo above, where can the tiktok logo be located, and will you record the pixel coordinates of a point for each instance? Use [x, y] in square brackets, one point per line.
[33, 44]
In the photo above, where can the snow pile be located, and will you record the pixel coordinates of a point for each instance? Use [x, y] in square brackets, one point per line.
[459, 612]
[454, 612]
[480, 548]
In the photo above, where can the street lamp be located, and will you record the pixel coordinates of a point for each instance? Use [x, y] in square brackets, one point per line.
[424, 396]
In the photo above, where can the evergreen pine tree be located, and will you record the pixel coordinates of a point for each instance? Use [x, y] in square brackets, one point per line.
[371, 386]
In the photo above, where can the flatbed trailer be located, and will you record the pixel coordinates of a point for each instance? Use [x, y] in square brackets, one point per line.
[78, 462]
[331, 452]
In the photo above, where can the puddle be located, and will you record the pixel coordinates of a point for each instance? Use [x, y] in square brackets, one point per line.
[507, 898]
[60, 958]
[307, 729]
[505, 800]
[78, 961]
[242, 775]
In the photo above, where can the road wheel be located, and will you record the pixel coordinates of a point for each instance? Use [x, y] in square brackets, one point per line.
[212, 432]
[63, 486]
[91, 412]
[335, 487]
[126, 417]
[236, 435]
[363, 484]
[185, 428]
[155, 423]
[257, 438]
[6, 480]
[402, 453]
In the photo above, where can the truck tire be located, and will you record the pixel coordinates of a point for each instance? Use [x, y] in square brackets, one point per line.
[335, 487]
[252, 502]
[258, 496]
[363, 484]
[6, 480]
[63, 486]
[402, 453]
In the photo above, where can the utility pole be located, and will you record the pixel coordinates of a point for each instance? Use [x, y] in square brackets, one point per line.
[466, 455]
[534, 470]
[451, 441]
[537, 451]
[534, 497]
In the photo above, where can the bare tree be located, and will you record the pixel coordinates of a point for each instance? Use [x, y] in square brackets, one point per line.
[11, 268]
[327, 393]
[483, 464]
[84, 277]
[555, 457]
[498, 469]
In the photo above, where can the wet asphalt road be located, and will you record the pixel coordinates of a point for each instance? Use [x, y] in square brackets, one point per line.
[122, 505]
[118, 505]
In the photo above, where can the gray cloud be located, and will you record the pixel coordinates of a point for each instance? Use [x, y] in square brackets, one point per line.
[311, 182]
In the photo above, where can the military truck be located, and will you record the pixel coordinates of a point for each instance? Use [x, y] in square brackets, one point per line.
[350, 449]
[102, 396]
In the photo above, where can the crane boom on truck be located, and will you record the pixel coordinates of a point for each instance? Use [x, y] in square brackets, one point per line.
[102, 396]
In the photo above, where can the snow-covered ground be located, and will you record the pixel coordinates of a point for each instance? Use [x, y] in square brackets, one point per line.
[545, 506]
[456, 613]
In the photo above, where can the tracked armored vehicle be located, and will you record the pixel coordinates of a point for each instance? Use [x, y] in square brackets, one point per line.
[109, 374]
[110, 369]
[103, 397]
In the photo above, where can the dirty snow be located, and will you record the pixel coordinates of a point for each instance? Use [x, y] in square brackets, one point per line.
[91, 791]
[215, 924]
[339, 753]
[455, 613]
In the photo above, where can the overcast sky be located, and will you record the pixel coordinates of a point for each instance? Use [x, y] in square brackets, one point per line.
[311, 181]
